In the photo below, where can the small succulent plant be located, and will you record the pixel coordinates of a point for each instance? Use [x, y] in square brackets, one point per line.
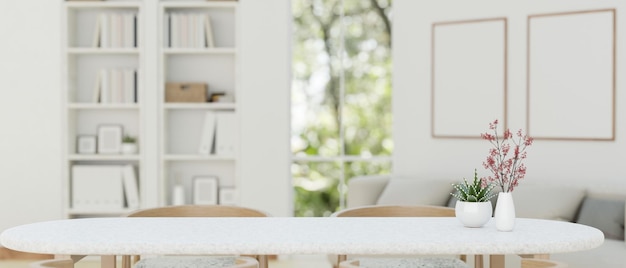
[473, 192]
[128, 139]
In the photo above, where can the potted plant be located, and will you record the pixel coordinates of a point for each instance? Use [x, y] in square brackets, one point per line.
[129, 145]
[473, 206]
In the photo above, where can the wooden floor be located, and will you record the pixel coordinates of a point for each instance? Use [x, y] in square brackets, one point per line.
[285, 262]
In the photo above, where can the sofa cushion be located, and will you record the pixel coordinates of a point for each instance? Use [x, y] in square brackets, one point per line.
[552, 202]
[365, 190]
[400, 191]
[605, 214]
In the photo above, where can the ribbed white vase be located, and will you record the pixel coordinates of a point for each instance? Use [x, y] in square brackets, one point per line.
[505, 212]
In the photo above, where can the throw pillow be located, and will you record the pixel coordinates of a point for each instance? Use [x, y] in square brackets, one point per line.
[416, 192]
[605, 214]
[547, 202]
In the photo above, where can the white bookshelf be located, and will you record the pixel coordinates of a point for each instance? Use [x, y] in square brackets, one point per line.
[82, 113]
[181, 124]
[169, 133]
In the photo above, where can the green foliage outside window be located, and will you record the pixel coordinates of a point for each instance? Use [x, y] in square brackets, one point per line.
[316, 96]
[317, 69]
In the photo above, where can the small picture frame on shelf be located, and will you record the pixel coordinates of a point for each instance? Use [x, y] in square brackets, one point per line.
[205, 190]
[228, 196]
[86, 144]
[109, 139]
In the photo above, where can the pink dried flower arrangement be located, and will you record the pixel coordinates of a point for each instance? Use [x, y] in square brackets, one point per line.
[506, 156]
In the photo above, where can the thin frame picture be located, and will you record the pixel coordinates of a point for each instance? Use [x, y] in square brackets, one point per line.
[109, 139]
[86, 144]
[205, 190]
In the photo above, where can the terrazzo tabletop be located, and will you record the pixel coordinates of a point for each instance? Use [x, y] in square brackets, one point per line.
[290, 235]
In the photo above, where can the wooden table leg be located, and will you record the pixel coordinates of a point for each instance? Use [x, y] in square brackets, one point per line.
[107, 261]
[341, 258]
[496, 261]
[263, 260]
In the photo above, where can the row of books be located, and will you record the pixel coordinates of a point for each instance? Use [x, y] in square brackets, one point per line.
[219, 134]
[115, 86]
[188, 30]
[104, 187]
[115, 30]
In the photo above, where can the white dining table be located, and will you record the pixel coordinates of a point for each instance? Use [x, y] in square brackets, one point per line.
[290, 236]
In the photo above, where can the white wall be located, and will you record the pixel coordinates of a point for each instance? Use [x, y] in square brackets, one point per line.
[30, 127]
[266, 64]
[30, 108]
[417, 153]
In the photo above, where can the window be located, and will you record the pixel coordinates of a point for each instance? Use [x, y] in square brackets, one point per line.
[341, 99]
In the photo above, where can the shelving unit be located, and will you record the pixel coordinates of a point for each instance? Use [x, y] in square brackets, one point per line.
[182, 123]
[83, 59]
[171, 132]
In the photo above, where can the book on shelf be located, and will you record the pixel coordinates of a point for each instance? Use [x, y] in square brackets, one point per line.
[167, 30]
[174, 30]
[95, 97]
[97, 187]
[226, 136]
[129, 30]
[105, 95]
[131, 189]
[136, 86]
[116, 86]
[104, 30]
[129, 86]
[95, 42]
[208, 133]
[187, 30]
[115, 30]
[209, 31]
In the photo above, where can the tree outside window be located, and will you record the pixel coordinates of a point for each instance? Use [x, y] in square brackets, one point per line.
[341, 98]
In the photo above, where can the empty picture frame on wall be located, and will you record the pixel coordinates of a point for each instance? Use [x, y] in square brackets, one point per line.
[109, 139]
[205, 190]
[469, 74]
[86, 144]
[571, 75]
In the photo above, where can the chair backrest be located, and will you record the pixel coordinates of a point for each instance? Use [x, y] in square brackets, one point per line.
[391, 211]
[56, 263]
[198, 211]
[396, 211]
[541, 263]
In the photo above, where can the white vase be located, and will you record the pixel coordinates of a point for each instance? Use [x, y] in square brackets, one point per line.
[505, 212]
[473, 214]
[178, 195]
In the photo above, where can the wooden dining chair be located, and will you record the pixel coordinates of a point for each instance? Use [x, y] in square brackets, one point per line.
[197, 211]
[213, 262]
[407, 211]
[402, 262]
[541, 263]
[53, 263]
[380, 262]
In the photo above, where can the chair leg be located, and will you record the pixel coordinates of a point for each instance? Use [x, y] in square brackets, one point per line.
[478, 261]
[125, 261]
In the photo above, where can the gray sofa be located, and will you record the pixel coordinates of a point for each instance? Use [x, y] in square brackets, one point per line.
[600, 204]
